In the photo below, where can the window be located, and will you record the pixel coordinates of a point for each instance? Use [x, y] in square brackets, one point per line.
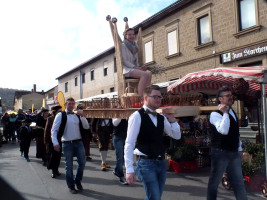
[92, 74]
[172, 42]
[203, 30]
[246, 14]
[66, 87]
[148, 48]
[148, 52]
[172, 39]
[111, 89]
[203, 26]
[105, 71]
[76, 81]
[83, 77]
[102, 91]
[115, 65]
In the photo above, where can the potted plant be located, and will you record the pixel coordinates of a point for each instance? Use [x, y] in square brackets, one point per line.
[183, 158]
[254, 168]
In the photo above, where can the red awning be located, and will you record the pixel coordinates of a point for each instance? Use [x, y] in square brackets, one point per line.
[216, 78]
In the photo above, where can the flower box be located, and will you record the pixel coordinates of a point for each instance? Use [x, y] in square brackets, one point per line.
[183, 166]
[253, 183]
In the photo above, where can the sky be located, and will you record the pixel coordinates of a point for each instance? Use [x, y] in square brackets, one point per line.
[42, 39]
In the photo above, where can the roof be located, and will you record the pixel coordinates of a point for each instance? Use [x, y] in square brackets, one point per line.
[92, 60]
[144, 24]
[51, 89]
[18, 94]
[163, 13]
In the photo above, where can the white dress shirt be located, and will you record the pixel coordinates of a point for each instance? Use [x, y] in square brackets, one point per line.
[72, 128]
[116, 121]
[134, 124]
[222, 123]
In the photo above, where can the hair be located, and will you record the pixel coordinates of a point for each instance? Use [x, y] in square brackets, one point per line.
[55, 109]
[44, 111]
[126, 31]
[224, 88]
[70, 99]
[149, 89]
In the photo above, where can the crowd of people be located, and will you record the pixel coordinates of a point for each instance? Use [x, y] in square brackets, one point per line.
[65, 132]
[69, 133]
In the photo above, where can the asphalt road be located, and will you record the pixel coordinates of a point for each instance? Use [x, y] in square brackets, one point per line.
[31, 181]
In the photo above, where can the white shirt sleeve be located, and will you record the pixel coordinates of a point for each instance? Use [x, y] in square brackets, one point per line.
[55, 128]
[116, 121]
[221, 122]
[172, 129]
[84, 123]
[134, 124]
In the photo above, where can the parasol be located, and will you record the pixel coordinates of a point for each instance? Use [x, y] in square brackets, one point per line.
[215, 78]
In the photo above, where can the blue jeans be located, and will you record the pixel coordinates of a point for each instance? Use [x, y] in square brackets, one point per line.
[119, 143]
[152, 174]
[226, 161]
[70, 150]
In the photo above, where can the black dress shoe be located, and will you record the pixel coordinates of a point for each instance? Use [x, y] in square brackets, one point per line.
[72, 190]
[79, 185]
[53, 175]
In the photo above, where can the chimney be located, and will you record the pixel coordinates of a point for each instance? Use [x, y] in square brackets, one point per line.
[34, 87]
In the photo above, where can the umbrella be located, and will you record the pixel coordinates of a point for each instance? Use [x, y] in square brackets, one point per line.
[11, 112]
[213, 79]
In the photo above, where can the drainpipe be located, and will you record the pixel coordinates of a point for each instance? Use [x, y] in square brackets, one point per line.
[263, 96]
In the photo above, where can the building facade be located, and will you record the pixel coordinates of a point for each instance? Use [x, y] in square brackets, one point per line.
[191, 36]
[28, 100]
[51, 97]
[185, 37]
[95, 76]
[196, 35]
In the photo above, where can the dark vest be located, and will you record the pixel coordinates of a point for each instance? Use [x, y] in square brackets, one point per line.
[231, 140]
[121, 129]
[63, 124]
[150, 137]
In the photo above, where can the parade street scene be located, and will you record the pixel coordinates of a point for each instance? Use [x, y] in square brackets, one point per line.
[153, 100]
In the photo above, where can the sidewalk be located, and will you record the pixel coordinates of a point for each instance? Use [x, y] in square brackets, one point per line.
[33, 181]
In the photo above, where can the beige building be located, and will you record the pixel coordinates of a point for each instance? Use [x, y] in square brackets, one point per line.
[26, 100]
[51, 97]
[192, 35]
[93, 77]
[187, 36]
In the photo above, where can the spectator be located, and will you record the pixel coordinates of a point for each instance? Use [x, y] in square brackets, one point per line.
[55, 156]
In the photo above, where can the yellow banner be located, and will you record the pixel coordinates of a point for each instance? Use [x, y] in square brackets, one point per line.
[61, 99]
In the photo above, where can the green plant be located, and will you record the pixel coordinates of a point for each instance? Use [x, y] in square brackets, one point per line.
[187, 152]
[257, 165]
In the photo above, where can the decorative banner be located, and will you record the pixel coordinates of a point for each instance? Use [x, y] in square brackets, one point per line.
[61, 99]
